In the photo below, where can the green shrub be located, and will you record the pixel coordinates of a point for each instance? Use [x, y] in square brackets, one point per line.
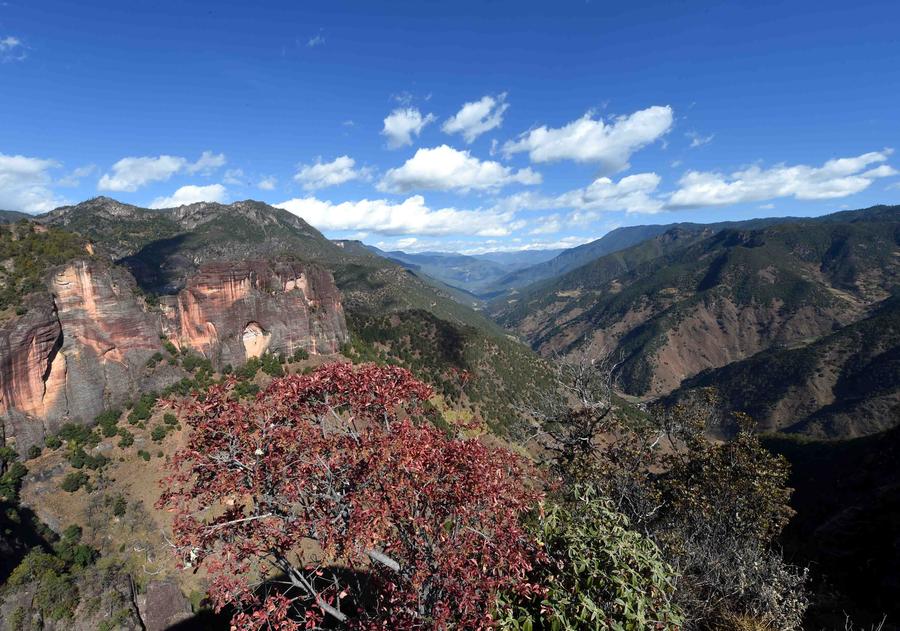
[119, 505]
[34, 451]
[144, 454]
[78, 435]
[300, 354]
[170, 419]
[598, 574]
[158, 433]
[74, 481]
[127, 438]
[142, 409]
[52, 442]
[11, 473]
[249, 369]
[246, 390]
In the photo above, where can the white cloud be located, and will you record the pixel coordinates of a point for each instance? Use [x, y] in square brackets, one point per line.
[235, 177]
[74, 178]
[411, 216]
[25, 184]
[446, 169]
[481, 246]
[631, 194]
[836, 178]
[477, 117]
[324, 174]
[402, 124]
[550, 224]
[129, 174]
[192, 194]
[207, 163]
[315, 40]
[12, 49]
[267, 183]
[594, 141]
[698, 140]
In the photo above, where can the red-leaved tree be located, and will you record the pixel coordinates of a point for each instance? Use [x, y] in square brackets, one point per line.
[424, 527]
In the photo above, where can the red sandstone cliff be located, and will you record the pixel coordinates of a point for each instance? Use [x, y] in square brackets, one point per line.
[83, 345]
[232, 311]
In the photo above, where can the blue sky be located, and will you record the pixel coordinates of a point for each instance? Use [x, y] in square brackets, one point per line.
[459, 126]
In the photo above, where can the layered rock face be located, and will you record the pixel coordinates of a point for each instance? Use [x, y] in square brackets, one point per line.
[83, 345]
[230, 312]
[80, 348]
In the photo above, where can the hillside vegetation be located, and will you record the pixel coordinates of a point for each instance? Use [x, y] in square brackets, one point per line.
[683, 302]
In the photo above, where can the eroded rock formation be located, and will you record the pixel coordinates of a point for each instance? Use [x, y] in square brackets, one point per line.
[84, 344]
[79, 348]
[232, 311]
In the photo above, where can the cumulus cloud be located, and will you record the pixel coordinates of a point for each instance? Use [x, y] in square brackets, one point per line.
[839, 177]
[267, 183]
[446, 169]
[12, 49]
[589, 140]
[315, 40]
[411, 216]
[631, 194]
[191, 194]
[477, 117]
[25, 184]
[402, 124]
[324, 174]
[74, 178]
[207, 163]
[129, 174]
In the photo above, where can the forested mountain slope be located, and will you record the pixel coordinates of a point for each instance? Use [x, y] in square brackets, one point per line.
[684, 302]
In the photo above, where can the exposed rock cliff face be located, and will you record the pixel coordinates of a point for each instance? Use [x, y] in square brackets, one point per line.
[230, 312]
[84, 344]
[80, 347]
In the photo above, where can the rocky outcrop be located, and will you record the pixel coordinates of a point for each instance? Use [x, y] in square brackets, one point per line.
[83, 345]
[79, 348]
[163, 606]
[230, 312]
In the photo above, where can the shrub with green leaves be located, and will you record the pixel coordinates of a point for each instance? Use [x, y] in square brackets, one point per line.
[597, 574]
[74, 481]
[126, 438]
[11, 473]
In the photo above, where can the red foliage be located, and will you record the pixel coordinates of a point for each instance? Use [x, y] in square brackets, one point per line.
[340, 456]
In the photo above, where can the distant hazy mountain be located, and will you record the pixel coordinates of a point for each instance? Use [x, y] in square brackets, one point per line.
[614, 241]
[520, 258]
[473, 274]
